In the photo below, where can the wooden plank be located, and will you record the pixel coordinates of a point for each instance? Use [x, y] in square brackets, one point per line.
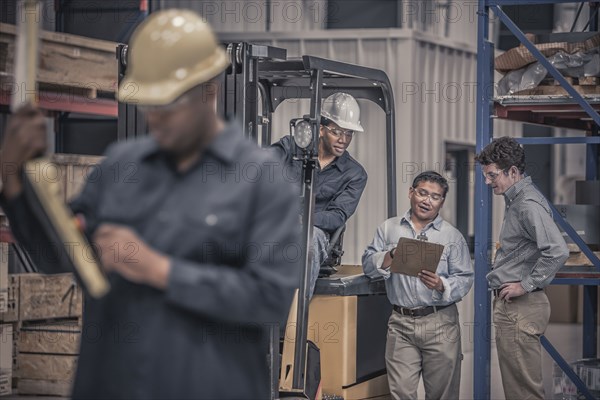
[65, 60]
[580, 260]
[6, 348]
[46, 367]
[551, 90]
[49, 296]
[44, 387]
[62, 337]
[589, 81]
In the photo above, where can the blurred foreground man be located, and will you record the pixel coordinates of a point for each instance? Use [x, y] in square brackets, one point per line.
[531, 251]
[201, 262]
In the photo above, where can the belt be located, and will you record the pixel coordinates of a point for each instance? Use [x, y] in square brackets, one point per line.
[496, 292]
[419, 312]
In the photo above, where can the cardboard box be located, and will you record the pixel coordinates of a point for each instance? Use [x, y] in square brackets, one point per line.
[43, 297]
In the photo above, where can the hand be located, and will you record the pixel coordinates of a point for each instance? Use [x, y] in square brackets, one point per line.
[387, 260]
[24, 139]
[510, 290]
[431, 280]
[122, 251]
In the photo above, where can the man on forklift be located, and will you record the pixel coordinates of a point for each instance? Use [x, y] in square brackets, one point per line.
[340, 179]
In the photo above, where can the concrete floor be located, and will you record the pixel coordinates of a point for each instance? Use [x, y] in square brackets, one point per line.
[566, 338]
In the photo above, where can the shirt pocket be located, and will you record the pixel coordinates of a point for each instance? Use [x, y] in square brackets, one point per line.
[215, 236]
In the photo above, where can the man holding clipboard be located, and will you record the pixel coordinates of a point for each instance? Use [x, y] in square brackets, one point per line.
[424, 330]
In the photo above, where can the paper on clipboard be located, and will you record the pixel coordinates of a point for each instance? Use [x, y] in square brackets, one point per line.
[412, 256]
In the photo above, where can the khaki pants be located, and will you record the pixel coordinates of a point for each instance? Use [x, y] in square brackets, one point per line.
[429, 346]
[519, 325]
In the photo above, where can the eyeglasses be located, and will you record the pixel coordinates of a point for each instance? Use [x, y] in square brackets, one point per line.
[166, 108]
[492, 176]
[339, 132]
[424, 194]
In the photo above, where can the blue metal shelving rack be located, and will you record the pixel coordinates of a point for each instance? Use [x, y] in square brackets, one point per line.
[483, 240]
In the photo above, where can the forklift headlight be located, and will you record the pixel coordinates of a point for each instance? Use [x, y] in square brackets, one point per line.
[302, 134]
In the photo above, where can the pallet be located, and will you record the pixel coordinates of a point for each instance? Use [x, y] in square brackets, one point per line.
[553, 90]
[69, 64]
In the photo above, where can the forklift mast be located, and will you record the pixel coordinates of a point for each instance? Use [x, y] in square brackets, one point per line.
[258, 80]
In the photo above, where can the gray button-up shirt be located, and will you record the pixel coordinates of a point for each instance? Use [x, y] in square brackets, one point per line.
[227, 225]
[455, 267]
[532, 248]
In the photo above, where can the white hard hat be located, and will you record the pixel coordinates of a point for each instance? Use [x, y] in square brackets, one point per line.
[342, 109]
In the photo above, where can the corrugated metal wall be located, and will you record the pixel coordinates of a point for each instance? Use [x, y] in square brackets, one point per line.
[256, 16]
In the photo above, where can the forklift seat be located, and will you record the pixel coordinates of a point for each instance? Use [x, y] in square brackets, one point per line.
[335, 250]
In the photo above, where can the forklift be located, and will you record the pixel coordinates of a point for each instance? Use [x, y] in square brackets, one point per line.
[344, 357]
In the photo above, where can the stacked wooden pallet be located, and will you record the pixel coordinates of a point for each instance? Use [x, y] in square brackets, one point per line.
[68, 64]
[41, 315]
[44, 328]
[589, 85]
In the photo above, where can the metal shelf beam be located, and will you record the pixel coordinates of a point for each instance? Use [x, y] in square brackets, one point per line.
[590, 278]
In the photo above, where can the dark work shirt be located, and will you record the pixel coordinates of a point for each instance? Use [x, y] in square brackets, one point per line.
[338, 186]
[228, 228]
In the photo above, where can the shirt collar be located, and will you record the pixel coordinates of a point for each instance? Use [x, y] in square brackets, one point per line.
[223, 146]
[341, 162]
[512, 192]
[436, 223]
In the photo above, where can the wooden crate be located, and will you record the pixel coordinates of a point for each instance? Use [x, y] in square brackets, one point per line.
[45, 387]
[67, 63]
[57, 337]
[49, 367]
[74, 170]
[5, 384]
[12, 300]
[6, 348]
[47, 357]
[43, 297]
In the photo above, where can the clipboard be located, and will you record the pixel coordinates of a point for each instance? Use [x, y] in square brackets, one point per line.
[412, 256]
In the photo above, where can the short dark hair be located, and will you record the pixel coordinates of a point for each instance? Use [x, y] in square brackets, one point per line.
[504, 152]
[431, 176]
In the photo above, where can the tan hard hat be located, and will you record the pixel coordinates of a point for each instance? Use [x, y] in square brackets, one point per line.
[171, 52]
[342, 109]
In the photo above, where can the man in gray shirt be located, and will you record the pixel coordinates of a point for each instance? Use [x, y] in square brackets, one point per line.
[424, 331]
[201, 257]
[531, 250]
